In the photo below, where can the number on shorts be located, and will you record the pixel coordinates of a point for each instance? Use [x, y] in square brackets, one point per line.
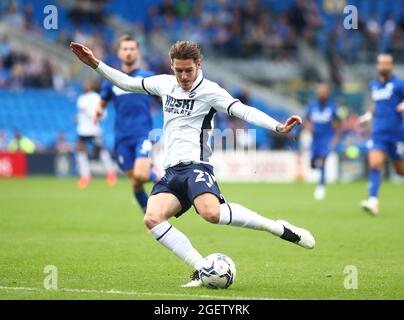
[201, 177]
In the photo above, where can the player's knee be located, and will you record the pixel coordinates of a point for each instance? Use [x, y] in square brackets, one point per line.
[400, 171]
[377, 165]
[137, 184]
[80, 147]
[141, 176]
[152, 219]
[210, 213]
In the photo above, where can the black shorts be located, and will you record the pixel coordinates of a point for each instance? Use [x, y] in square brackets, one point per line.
[95, 141]
[186, 182]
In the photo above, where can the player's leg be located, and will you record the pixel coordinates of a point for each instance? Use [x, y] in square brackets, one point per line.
[106, 161]
[210, 204]
[396, 153]
[376, 159]
[83, 164]
[210, 208]
[399, 167]
[126, 154]
[142, 172]
[160, 208]
[319, 163]
[139, 175]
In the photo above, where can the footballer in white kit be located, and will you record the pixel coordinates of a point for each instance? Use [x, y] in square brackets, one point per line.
[189, 103]
[90, 133]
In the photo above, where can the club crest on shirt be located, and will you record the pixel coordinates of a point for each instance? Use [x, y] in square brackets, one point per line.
[179, 106]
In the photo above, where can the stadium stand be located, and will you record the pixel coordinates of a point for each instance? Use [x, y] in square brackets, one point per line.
[245, 29]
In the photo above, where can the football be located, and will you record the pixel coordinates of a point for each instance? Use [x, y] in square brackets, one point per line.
[218, 271]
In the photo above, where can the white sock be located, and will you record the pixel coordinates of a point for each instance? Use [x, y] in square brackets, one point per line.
[106, 160]
[177, 242]
[83, 164]
[373, 200]
[237, 215]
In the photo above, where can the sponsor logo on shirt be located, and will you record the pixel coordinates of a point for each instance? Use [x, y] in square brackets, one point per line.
[383, 93]
[322, 116]
[179, 106]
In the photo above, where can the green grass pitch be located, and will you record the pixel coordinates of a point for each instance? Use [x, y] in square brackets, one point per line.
[97, 241]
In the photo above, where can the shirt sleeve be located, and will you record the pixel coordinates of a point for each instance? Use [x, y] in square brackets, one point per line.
[153, 85]
[222, 101]
[120, 79]
[79, 103]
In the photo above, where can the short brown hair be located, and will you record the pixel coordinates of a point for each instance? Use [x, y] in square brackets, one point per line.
[126, 37]
[184, 50]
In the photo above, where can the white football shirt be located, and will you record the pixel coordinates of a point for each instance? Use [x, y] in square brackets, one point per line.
[188, 115]
[86, 105]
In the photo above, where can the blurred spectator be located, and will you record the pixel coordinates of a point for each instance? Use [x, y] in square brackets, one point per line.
[88, 11]
[13, 17]
[3, 141]
[21, 143]
[296, 16]
[5, 48]
[61, 144]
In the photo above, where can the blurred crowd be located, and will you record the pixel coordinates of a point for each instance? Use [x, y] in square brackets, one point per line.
[248, 29]
[251, 28]
[21, 69]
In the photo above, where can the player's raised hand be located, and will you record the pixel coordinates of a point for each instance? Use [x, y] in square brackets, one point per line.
[84, 54]
[99, 111]
[400, 107]
[289, 124]
[365, 118]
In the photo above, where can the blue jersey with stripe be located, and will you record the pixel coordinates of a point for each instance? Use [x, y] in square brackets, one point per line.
[133, 121]
[387, 122]
[322, 117]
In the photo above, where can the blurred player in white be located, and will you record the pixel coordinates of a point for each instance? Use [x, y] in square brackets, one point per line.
[90, 134]
[190, 102]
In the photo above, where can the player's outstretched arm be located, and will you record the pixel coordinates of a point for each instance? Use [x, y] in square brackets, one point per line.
[261, 119]
[116, 77]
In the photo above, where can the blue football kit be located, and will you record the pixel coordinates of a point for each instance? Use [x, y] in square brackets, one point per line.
[133, 121]
[387, 123]
[322, 117]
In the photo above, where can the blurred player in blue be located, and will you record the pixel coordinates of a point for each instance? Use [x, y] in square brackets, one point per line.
[323, 121]
[387, 139]
[133, 122]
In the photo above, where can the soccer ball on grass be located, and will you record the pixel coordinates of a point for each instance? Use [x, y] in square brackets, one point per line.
[218, 271]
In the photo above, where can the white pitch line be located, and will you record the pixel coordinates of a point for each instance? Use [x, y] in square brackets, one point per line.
[134, 293]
